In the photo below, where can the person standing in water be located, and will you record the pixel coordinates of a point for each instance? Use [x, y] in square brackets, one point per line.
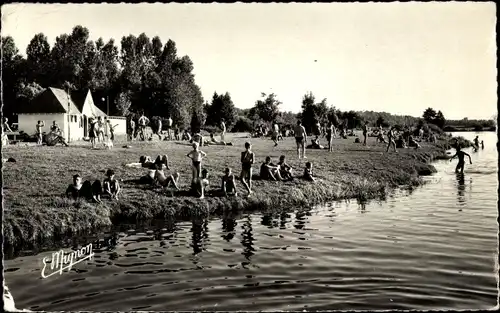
[461, 159]
[482, 144]
[476, 143]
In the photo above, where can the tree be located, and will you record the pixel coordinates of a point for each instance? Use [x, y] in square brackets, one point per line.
[13, 74]
[221, 108]
[439, 120]
[312, 112]
[123, 103]
[268, 108]
[333, 116]
[195, 123]
[429, 115]
[28, 92]
[38, 60]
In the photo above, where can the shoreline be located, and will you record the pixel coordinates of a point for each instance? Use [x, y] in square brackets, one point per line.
[352, 173]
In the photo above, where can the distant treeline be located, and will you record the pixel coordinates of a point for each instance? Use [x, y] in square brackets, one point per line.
[143, 75]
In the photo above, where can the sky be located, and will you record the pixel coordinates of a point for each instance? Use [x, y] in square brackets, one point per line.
[399, 58]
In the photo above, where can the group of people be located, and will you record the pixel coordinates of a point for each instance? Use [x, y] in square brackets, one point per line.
[54, 136]
[110, 188]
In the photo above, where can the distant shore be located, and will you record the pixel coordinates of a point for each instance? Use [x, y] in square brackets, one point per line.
[35, 209]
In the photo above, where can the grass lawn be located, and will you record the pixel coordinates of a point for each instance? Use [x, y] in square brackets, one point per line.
[35, 208]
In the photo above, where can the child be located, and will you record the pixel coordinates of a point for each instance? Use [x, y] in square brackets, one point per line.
[247, 159]
[329, 137]
[390, 137]
[461, 159]
[285, 169]
[229, 183]
[365, 133]
[111, 186]
[111, 130]
[308, 174]
[269, 171]
[161, 180]
[86, 190]
[39, 134]
[196, 156]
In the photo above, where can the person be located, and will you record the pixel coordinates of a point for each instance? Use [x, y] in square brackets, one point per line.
[39, 133]
[270, 171]
[461, 159]
[329, 136]
[275, 135]
[100, 129]
[196, 156]
[199, 185]
[55, 128]
[6, 127]
[315, 144]
[177, 135]
[84, 190]
[111, 186]
[158, 128]
[391, 139]
[132, 129]
[214, 141]
[160, 179]
[476, 143]
[482, 144]
[285, 169]
[186, 135]
[223, 128]
[143, 122]
[317, 129]
[228, 184]
[170, 122]
[308, 172]
[92, 131]
[365, 133]
[412, 142]
[247, 160]
[300, 139]
[198, 138]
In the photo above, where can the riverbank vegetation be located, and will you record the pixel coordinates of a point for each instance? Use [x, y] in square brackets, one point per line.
[35, 208]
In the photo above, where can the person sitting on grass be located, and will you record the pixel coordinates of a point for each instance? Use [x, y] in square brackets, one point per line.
[196, 156]
[84, 190]
[308, 172]
[270, 171]
[229, 184]
[461, 159]
[111, 186]
[285, 169]
[161, 180]
[186, 135]
[412, 142]
[247, 160]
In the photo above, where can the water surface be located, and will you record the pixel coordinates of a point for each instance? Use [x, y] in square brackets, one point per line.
[435, 248]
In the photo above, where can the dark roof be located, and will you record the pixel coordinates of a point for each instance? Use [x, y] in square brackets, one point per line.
[55, 100]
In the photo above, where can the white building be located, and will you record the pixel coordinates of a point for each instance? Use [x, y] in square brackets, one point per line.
[71, 113]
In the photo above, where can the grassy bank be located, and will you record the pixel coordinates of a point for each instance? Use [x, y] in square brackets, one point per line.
[33, 187]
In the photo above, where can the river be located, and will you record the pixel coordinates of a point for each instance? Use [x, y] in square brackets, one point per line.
[434, 248]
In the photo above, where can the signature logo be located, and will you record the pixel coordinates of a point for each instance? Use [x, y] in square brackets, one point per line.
[61, 260]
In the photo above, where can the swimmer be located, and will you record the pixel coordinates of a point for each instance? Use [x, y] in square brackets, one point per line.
[461, 162]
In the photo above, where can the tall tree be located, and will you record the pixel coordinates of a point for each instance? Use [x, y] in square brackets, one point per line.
[221, 108]
[268, 107]
[429, 115]
[13, 74]
[312, 112]
[38, 60]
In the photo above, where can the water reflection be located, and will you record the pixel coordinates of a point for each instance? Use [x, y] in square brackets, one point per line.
[199, 230]
[228, 225]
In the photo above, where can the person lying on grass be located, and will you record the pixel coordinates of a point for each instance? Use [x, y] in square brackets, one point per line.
[308, 172]
[111, 186]
[270, 171]
[247, 160]
[315, 145]
[186, 135]
[228, 184]
[285, 169]
[86, 190]
[147, 162]
[412, 142]
[196, 156]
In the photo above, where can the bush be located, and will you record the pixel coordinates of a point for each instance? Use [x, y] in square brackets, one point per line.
[243, 124]
[478, 128]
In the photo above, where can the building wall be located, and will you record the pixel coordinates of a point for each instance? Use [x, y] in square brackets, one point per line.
[121, 122]
[27, 124]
